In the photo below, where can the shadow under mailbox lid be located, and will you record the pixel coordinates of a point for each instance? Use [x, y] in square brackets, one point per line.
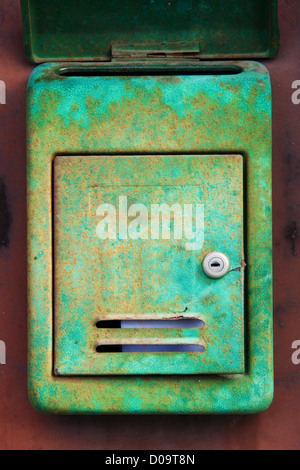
[93, 30]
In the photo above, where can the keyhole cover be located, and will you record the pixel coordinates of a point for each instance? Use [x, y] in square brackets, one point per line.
[215, 265]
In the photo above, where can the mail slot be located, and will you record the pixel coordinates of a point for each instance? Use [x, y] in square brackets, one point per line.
[149, 207]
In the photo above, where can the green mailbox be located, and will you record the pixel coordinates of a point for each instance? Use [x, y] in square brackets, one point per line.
[149, 206]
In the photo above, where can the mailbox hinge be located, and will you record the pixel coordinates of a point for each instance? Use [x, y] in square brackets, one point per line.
[163, 50]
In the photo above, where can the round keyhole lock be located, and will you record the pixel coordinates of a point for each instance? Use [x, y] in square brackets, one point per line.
[215, 265]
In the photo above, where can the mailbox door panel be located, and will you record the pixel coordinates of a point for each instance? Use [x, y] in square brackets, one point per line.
[130, 235]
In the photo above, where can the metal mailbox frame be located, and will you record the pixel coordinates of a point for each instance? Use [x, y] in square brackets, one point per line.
[239, 393]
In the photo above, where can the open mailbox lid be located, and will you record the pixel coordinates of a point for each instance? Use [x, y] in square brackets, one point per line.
[93, 30]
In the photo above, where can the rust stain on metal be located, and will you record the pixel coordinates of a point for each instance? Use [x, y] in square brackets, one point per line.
[239, 268]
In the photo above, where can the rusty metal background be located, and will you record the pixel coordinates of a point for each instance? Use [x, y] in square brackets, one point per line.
[21, 427]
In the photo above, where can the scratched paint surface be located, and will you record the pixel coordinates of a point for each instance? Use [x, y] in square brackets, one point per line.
[98, 279]
[199, 113]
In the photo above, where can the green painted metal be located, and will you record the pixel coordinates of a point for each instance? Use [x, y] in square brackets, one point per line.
[138, 277]
[164, 111]
[90, 29]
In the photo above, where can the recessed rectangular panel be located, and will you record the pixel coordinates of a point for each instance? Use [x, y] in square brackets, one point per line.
[130, 235]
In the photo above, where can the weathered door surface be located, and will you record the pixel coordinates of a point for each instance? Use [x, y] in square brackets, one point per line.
[122, 255]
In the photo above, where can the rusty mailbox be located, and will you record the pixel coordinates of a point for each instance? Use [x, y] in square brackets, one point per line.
[149, 205]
